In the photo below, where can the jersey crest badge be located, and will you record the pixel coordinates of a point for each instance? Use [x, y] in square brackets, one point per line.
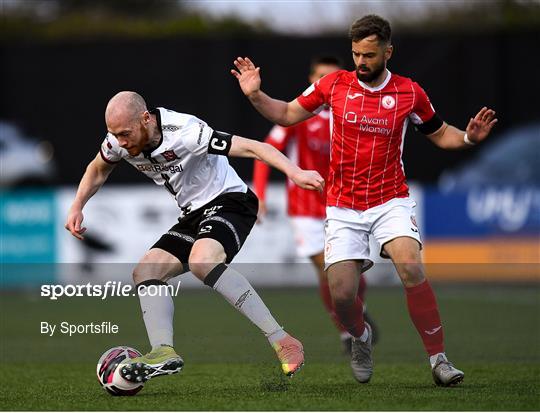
[169, 156]
[388, 102]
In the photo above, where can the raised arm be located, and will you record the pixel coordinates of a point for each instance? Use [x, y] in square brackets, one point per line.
[277, 111]
[94, 177]
[248, 148]
[451, 138]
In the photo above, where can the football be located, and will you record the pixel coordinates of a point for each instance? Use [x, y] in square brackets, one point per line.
[108, 375]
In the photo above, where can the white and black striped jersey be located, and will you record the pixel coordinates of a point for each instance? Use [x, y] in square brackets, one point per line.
[189, 160]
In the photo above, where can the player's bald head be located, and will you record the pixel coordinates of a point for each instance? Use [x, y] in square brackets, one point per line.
[125, 106]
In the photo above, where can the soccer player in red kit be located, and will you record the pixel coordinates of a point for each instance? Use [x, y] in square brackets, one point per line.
[366, 188]
[308, 143]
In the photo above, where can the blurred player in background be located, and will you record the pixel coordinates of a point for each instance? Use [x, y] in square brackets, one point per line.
[217, 211]
[308, 145]
[367, 191]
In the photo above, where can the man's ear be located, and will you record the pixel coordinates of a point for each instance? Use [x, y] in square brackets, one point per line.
[388, 52]
[146, 117]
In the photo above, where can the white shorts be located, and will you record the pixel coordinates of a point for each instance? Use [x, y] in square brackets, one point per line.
[347, 230]
[308, 235]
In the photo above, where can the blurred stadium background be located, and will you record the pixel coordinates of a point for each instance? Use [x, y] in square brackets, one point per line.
[479, 210]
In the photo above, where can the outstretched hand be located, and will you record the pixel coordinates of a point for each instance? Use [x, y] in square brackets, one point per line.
[308, 180]
[74, 223]
[479, 127]
[248, 75]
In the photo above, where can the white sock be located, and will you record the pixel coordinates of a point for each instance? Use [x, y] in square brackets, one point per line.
[158, 313]
[344, 335]
[363, 338]
[433, 358]
[239, 293]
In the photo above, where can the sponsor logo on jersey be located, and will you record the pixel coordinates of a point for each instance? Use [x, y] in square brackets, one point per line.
[158, 167]
[413, 220]
[370, 125]
[169, 156]
[388, 102]
[170, 128]
[354, 96]
[201, 126]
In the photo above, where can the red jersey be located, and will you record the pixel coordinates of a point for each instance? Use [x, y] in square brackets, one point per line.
[368, 130]
[308, 145]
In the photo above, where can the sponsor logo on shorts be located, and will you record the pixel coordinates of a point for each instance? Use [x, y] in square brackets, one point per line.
[208, 212]
[413, 220]
[206, 229]
[328, 248]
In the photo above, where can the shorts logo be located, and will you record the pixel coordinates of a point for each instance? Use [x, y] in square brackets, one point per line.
[328, 248]
[415, 227]
[206, 229]
[169, 156]
[388, 102]
[208, 212]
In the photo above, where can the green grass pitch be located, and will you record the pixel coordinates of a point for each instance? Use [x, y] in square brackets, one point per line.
[492, 333]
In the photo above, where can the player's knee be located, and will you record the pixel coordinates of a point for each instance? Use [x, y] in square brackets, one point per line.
[412, 273]
[342, 295]
[151, 267]
[201, 263]
[142, 272]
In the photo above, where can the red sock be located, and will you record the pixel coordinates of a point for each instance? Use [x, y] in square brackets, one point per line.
[351, 317]
[425, 316]
[324, 291]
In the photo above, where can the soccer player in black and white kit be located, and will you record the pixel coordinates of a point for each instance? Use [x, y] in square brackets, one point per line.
[217, 211]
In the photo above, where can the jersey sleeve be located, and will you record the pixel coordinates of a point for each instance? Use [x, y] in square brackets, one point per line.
[318, 93]
[196, 135]
[110, 151]
[423, 114]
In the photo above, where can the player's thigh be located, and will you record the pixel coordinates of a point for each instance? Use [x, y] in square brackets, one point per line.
[393, 220]
[177, 242]
[157, 264]
[308, 235]
[345, 238]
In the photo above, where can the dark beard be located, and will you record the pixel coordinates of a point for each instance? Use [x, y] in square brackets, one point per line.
[370, 76]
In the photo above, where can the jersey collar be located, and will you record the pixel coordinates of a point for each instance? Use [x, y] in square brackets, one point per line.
[380, 87]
